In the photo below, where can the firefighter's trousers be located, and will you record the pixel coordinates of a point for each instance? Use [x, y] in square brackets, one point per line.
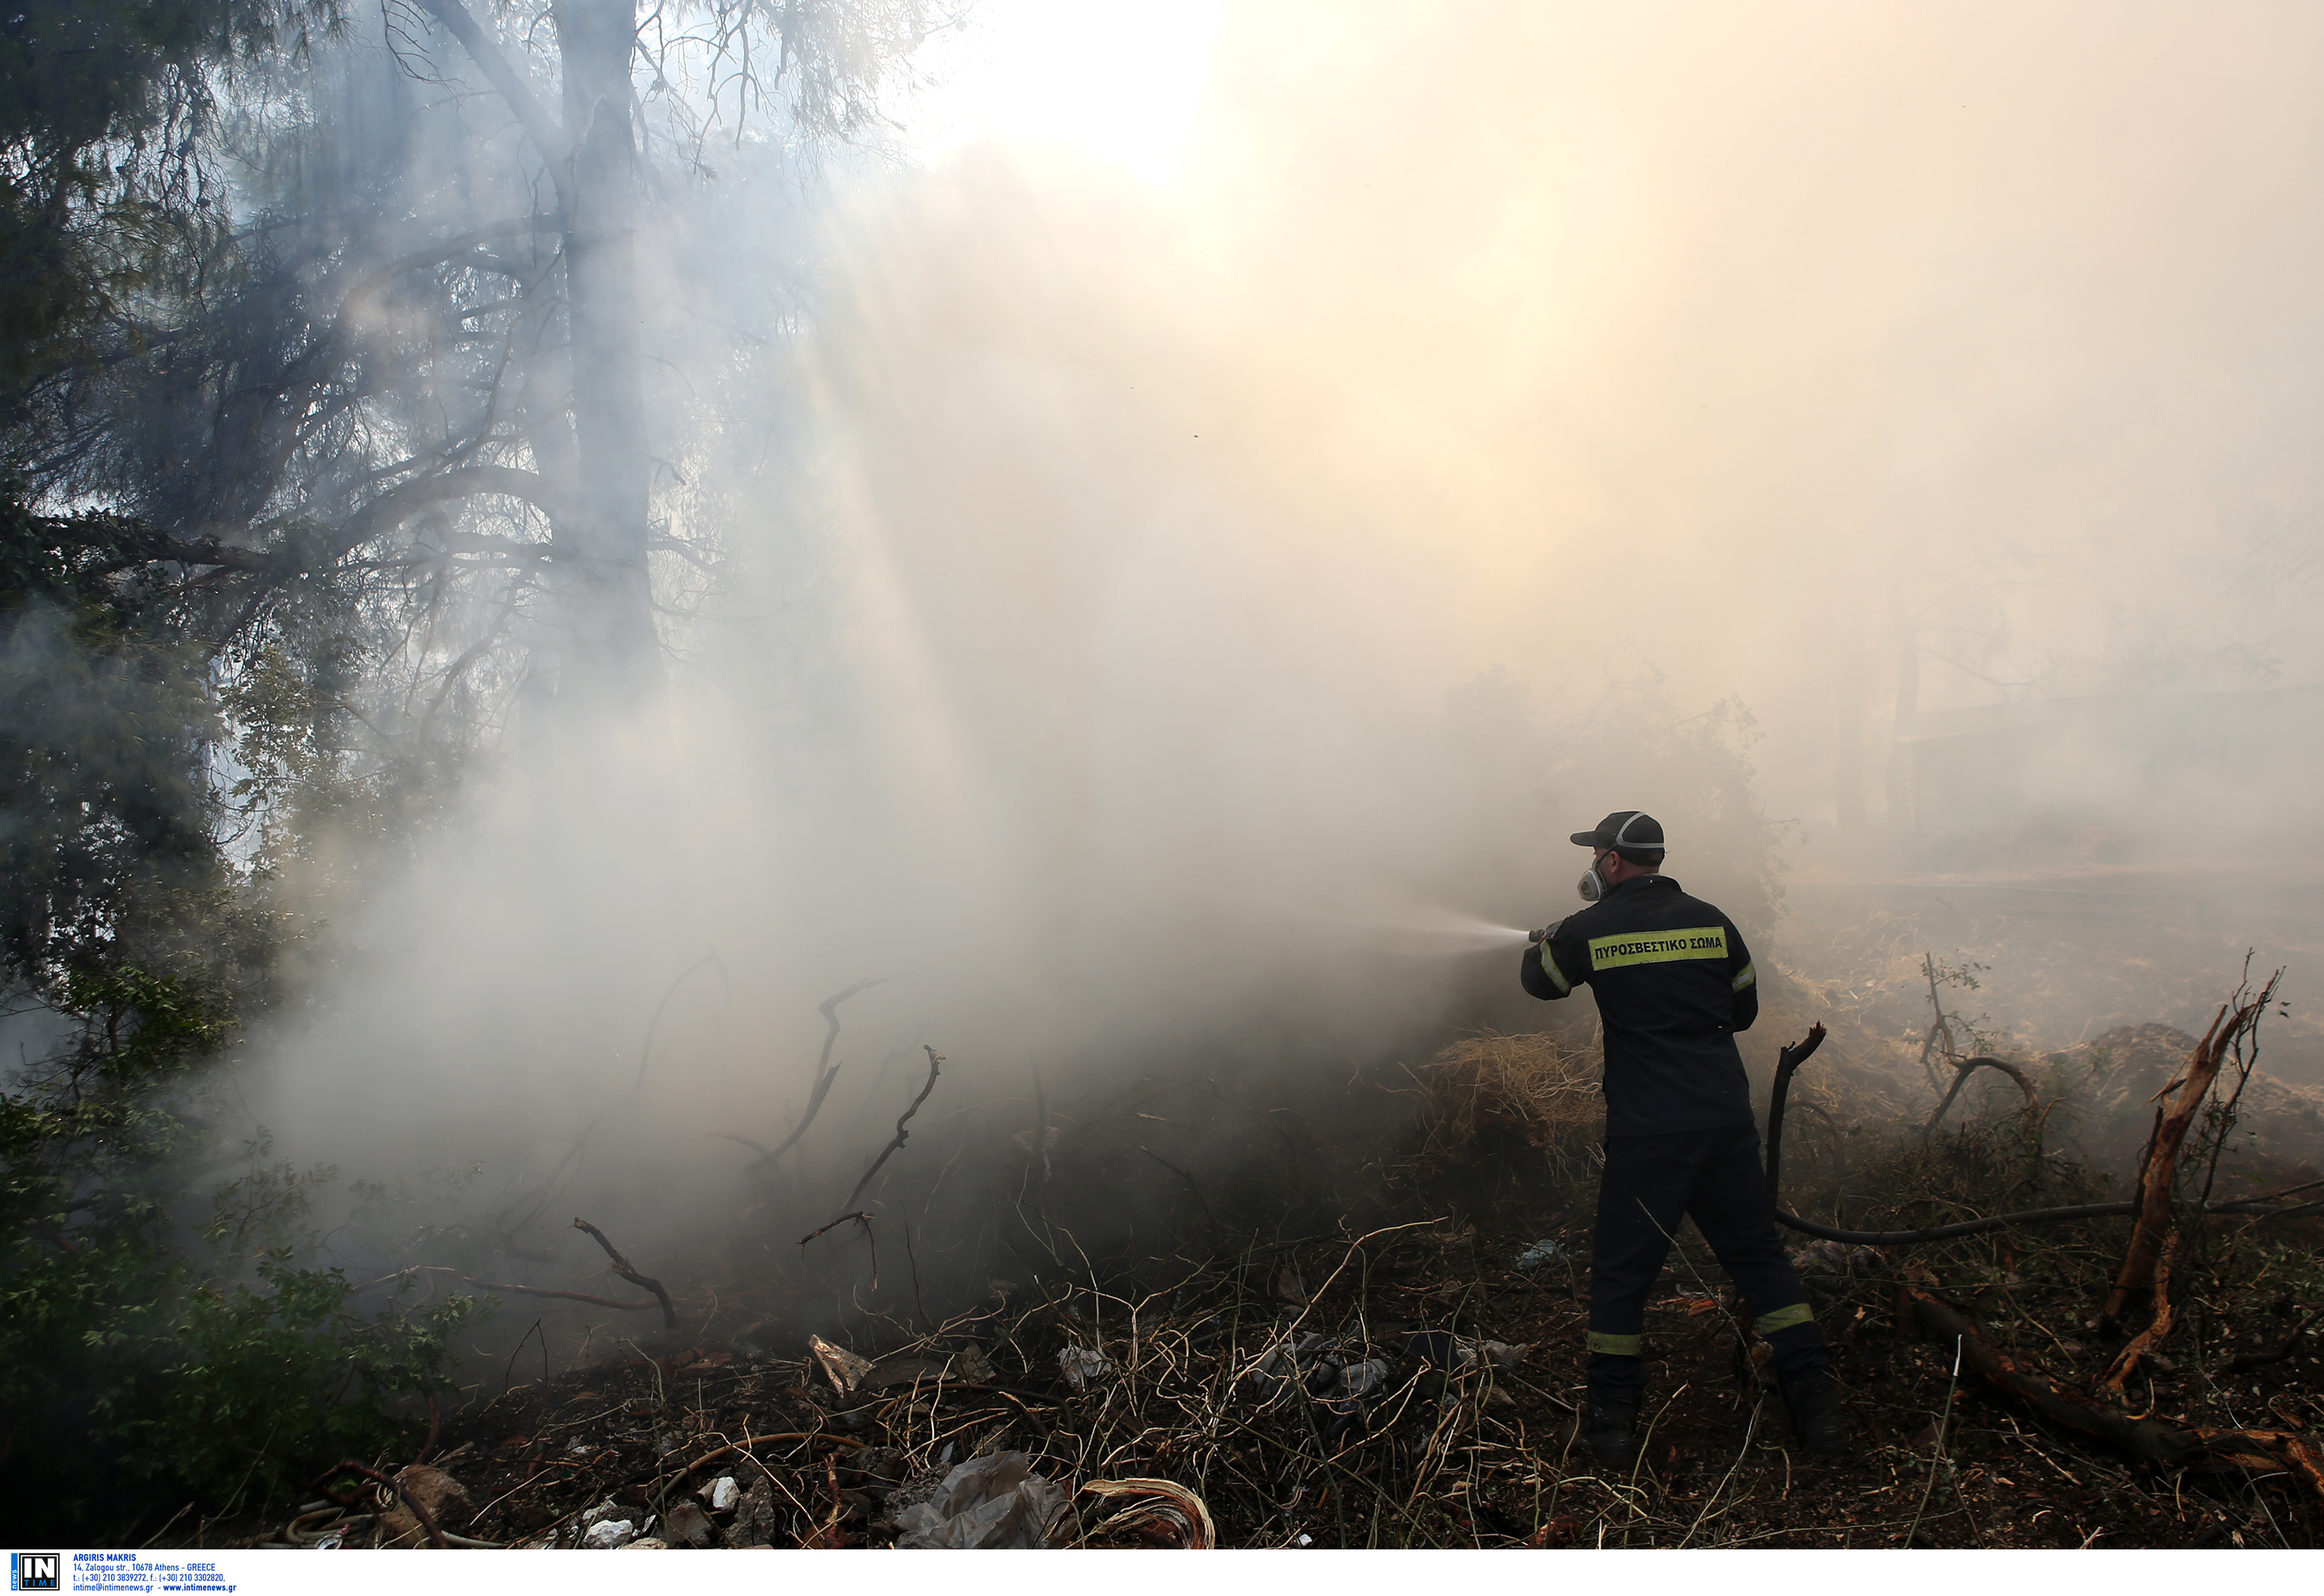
[1714, 1176]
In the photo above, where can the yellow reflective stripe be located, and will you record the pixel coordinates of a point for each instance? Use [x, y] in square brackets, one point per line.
[1657, 947]
[1799, 1313]
[1743, 978]
[1556, 976]
[1618, 1346]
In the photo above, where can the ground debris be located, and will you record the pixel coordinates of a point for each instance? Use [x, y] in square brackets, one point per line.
[1407, 1369]
[844, 1368]
[992, 1503]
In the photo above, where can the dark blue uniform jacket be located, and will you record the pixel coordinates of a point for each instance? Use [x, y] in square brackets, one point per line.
[1675, 983]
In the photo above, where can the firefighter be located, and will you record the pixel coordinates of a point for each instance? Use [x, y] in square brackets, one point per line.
[1674, 982]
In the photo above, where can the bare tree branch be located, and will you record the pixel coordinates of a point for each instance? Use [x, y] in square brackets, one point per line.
[547, 136]
[405, 500]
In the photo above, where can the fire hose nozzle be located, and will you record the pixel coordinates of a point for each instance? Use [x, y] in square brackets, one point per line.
[1540, 935]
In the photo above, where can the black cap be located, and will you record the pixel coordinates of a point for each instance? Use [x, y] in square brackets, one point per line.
[1627, 831]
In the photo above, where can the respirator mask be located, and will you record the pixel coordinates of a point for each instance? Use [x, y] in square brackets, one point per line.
[1591, 885]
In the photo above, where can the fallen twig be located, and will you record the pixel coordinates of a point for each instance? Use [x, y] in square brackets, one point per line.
[1287, 1335]
[1181, 1514]
[623, 1268]
[1941, 1026]
[2148, 1439]
[834, 1225]
[865, 1220]
[601, 1302]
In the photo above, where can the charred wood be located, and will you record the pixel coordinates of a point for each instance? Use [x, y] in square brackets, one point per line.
[825, 1072]
[1968, 1066]
[621, 1266]
[2160, 1169]
[2148, 1440]
[936, 1060]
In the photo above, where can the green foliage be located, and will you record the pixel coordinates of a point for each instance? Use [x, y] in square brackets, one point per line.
[144, 1355]
[105, 722]
[253, 1387]
[1952, 1035]
[103, 105]
[152, 1348]
[132, 1377]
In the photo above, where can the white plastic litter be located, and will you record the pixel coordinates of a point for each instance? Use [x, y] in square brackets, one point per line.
[1081, 1366]
[992, 1503]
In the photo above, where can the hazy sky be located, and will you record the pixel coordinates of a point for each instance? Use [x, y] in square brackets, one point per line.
[1704, 336]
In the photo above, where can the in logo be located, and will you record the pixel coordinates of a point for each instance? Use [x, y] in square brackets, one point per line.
[35, 1570]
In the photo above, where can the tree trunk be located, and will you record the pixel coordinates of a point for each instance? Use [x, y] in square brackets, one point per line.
[608, 600]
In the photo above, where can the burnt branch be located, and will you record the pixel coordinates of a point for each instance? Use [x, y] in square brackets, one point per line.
[601, 1302]
[2149, 1440]
[125, 543]
[2156, 1332]
[405, 500]
[2139, 1261]
[1787, 1061]
[623, 1268]
[934, 1059]
[825, 1072]
[1968, 1066]
[758, 1148]
[1792, 1057]
[865, 1220]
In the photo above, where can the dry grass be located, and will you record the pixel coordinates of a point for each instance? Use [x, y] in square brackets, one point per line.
[1539, 1084]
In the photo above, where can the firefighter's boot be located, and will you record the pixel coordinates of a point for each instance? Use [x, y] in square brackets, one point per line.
[1813, 1403]
[1607, 1424]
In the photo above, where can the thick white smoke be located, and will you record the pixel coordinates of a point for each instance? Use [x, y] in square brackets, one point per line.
[1106, 604]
